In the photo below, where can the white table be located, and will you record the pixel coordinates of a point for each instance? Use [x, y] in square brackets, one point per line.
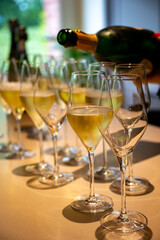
[28, 211]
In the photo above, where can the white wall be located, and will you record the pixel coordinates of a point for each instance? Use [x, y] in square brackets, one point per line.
[139, 13]
[86, 15]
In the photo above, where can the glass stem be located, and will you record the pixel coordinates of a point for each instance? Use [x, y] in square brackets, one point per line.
[130, 168]
[91, 174]
[56, 167]
[123, 215]
[65, 133]
[40, 134]
[20, 146]
[8, 130]
[105, 163]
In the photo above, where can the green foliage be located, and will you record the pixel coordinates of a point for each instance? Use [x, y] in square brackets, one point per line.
[28, 12]
[36, 42]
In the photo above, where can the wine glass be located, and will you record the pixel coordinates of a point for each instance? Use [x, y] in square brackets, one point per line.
[38, 58]
[8, 148]
[134, 185]
[10, 89]
[122, 135]
[82, 116]
[104, 172]
[26, 97]
[73, 155]
[52, 110]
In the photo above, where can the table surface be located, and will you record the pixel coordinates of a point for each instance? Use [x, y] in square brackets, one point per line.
[33, 211]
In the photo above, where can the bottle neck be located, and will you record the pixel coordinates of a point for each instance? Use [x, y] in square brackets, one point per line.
[86, 42]
[14, 44]
[22, 50]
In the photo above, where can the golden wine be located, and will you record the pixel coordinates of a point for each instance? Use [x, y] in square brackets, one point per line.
[10, 91]
[92, 97]
[27, 101]
[85, 121]
[44, 100]
[78, 95]
[117, 98]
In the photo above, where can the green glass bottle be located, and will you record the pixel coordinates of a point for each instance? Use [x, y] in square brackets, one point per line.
[14, 32]
[22, 43]
[118, 44]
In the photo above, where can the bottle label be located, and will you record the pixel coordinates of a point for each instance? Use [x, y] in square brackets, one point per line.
[86, 42]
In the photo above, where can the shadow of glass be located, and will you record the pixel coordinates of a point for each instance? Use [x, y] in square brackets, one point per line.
[20, 171]
[7, 155]
[143, 151]
[78, 217]
[143, 234]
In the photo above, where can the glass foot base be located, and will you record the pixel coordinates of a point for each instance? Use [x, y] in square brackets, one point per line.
[134, 221]
[136, 187]
[99, 203]
[106, 174]
[60, 151]
[39, 168]
[56, 181]
[10, 147]
[8, 151]
[77, 160]
[23, 154]
[68, 151]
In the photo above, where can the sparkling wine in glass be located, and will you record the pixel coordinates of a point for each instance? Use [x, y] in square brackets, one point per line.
[26, 96]
[10, 91]
[82, 116]
[135, 185]
[73, 154]
[104, 173]
[122, 135]
[52, 110]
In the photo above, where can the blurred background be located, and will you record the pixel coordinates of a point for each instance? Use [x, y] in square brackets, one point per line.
[44, 18]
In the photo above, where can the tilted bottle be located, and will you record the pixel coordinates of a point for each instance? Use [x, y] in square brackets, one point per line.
[118, 44]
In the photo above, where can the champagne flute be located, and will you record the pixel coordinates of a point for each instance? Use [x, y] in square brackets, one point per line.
[8, 148]
[104, 172]
[37, 58]
[73, 155]
[26, 97]
[124, 132]
[82, 116]
[10, 89]
[135, 185]
[52, 110]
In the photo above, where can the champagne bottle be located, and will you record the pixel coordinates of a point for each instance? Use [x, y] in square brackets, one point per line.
[17, 48]
[14, 30]
[118, 44]
[18, 40]
[22, 44]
